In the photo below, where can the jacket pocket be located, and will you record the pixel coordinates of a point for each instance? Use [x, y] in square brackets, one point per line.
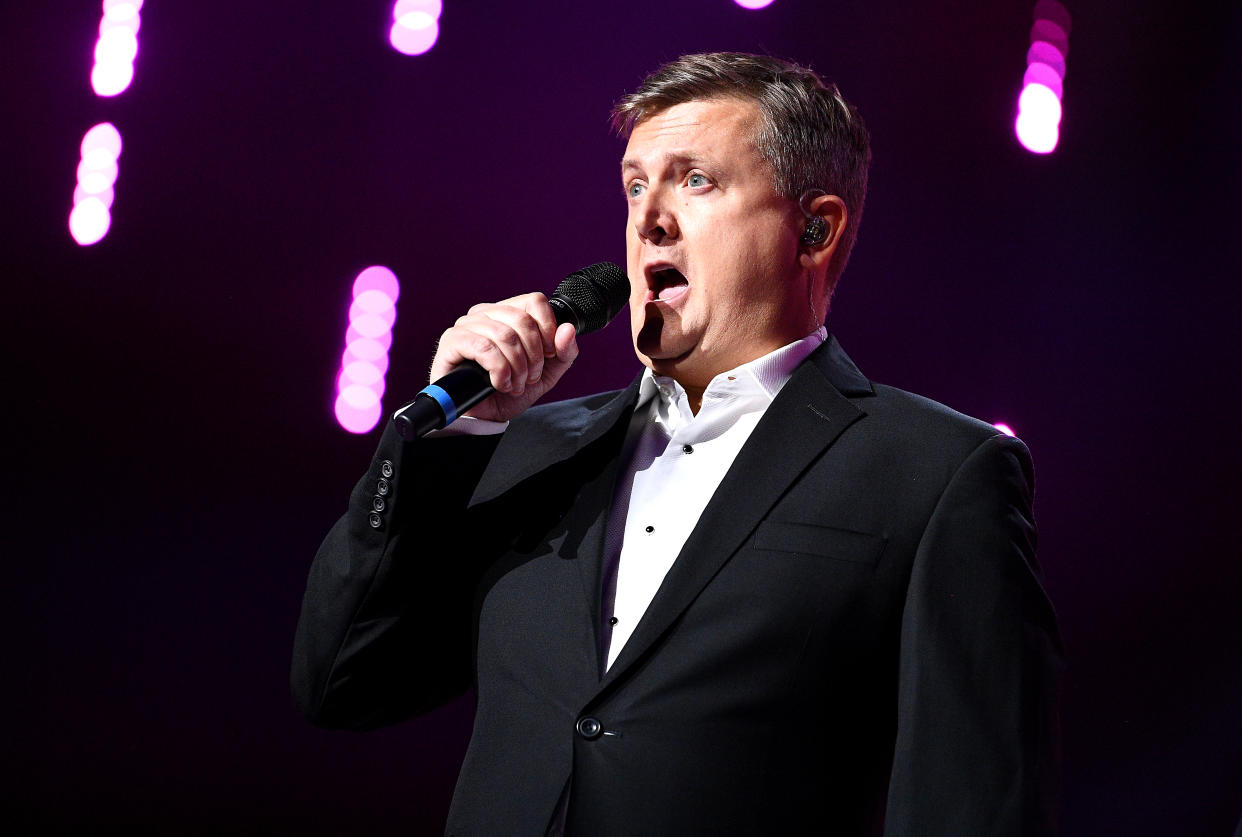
[821, 541]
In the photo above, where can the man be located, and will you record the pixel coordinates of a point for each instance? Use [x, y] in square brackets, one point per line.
[753, 593]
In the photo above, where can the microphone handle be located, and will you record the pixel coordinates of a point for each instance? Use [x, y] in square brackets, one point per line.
[439, 404]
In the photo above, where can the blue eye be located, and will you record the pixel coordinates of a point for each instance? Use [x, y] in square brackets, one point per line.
[634, 190]
[696, 180]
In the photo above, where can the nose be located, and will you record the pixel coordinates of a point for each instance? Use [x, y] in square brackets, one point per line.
[654, 218]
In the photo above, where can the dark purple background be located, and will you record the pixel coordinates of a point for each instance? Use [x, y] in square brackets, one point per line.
[172, 461]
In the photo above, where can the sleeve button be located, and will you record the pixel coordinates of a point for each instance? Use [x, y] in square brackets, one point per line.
[386, 467]
[382, 487]
[375, 520]
[377, 503]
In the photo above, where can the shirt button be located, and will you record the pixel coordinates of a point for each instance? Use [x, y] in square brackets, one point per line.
[687, 449]
[612, 620]
[590, 728]
[649, 529]
[386, 467]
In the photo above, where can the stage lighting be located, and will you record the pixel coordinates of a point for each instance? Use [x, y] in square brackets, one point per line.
[364, 362]
[377, 278]
[113, 70]
[1036, 136]
[415, 25]
[1040, 103]
[97, 173]
[1004, 428]
[1043, 85]
[89, 221]
[753, 4]
[103, 136]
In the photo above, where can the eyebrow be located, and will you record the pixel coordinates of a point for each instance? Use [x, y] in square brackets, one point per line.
[686, 157]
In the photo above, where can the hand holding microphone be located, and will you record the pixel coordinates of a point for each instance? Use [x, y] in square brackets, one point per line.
[501, 357]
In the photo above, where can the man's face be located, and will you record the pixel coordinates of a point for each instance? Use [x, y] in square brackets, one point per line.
[711, 248]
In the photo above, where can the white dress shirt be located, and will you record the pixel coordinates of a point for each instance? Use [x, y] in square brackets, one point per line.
[672, 464]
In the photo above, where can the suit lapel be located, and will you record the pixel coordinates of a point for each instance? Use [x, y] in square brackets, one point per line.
[559, 434]
[806, 417]
[546, 437]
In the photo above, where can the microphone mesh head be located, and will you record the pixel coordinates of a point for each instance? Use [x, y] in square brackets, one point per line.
[596, 293]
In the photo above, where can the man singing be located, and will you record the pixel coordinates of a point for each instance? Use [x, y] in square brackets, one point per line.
[752, 593]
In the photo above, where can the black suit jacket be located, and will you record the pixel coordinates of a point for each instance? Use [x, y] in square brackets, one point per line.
[853, 639]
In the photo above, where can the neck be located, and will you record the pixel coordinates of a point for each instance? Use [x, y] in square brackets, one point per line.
[694, 395]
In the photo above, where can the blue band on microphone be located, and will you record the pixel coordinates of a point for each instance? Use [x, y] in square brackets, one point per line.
[445, 402]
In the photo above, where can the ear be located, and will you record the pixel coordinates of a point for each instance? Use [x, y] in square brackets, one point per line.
[817, 257]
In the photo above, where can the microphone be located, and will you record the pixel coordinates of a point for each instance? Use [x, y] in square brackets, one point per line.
[588, 298]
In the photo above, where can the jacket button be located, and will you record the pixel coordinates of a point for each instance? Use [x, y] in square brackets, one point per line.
[590, 728]
[386, 467]
[381, 487]
[375, 520]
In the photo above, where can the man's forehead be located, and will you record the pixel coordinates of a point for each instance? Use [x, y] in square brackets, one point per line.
[692, 131]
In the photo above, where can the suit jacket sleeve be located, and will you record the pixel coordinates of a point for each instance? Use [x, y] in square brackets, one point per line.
[979, 663]
[385, 627]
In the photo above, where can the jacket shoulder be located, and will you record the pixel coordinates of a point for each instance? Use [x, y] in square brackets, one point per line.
[913, 421]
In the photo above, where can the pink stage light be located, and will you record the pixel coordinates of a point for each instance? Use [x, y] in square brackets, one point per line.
[106, 197]
[375, 303]
[1049, 32]
[352, 335]
[111, 79]
[113, 70]
[405, 7]
[415, 25]
[377, 278]
[117, 46]
[91, 217]
[369, 325]
[1004, 428]
[1040, 103]
[132, 24]
[357, 419]
[753, 4]
[414, 34]
[1053, 11]
[1045, 75]
[121, 9]
[351, 356]
[103, 136]
[362, 373]
[1042, 52]
[1043, 85]
[364, 362]
[89, 221]
[1036, 136]
[364, 348]
[97, 175]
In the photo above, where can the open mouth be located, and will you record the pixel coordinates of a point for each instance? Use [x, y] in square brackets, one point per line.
[668, 284]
